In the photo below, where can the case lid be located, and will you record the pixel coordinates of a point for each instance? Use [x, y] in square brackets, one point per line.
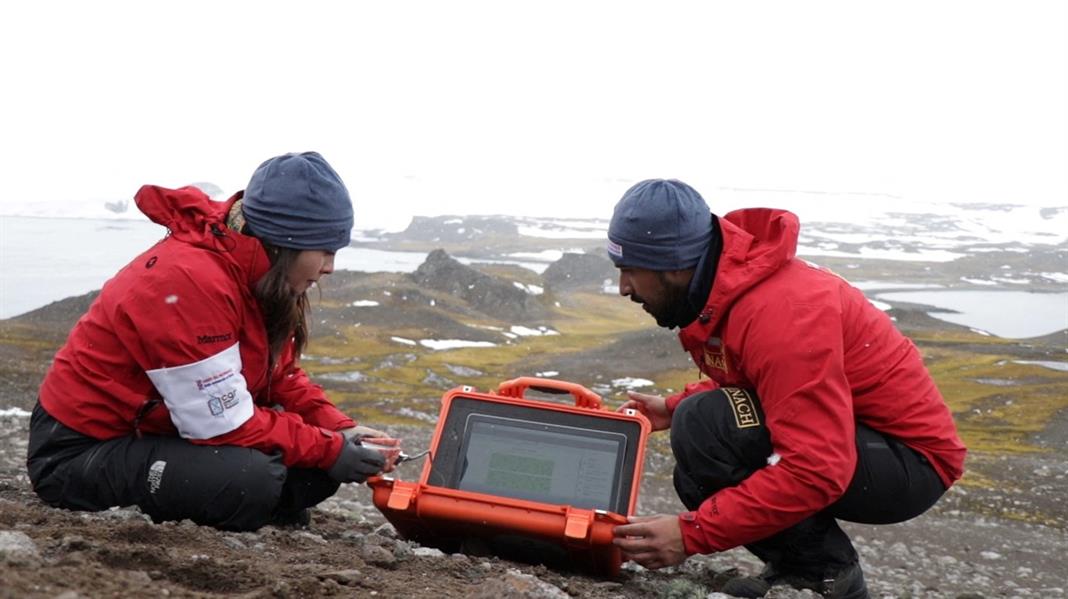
[538, 451]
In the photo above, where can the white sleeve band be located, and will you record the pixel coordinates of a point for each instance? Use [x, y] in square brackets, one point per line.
[206, 398]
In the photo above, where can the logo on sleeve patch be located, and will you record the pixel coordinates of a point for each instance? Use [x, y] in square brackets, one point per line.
[745, 412]
[217, 404]
[215, 379]
[206, 398]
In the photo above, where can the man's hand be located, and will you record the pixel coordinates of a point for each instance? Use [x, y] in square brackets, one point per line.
[652, 541]
[654, 407]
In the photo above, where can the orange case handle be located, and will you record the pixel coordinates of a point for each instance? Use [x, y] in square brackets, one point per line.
[584, 398]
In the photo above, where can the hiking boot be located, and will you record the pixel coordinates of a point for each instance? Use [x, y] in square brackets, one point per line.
[771, 575]
[847, 583]
[296, 520]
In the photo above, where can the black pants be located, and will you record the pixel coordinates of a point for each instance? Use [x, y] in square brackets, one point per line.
[232, 488]
[892, 483]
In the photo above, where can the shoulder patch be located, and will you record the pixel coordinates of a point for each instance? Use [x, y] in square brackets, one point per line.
[745, 411]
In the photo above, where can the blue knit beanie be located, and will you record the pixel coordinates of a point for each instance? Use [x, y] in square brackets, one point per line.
[660, 224]
[297, 201]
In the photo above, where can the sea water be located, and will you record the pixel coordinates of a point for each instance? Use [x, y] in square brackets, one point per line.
[48, 259]
[1008, 314]
[43, 260]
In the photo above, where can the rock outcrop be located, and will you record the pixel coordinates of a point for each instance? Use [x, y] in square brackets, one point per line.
[489, 295]
[573, 271]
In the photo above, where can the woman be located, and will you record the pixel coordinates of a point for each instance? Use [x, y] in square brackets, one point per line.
[179, 390]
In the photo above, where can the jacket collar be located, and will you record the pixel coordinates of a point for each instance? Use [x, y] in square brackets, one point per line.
[757, 242]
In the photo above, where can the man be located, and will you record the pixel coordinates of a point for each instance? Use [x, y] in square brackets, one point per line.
[817, 407]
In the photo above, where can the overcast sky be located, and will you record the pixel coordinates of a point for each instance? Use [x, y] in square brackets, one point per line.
[540, 108]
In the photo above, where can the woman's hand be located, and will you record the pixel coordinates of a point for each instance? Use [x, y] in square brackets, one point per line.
[388, 446]
[360, 431]
[355, 463]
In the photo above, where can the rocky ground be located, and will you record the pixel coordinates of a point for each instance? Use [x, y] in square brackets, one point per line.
[1003, 532]
[349, 550]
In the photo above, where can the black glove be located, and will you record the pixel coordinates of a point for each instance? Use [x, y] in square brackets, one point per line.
[355, 463]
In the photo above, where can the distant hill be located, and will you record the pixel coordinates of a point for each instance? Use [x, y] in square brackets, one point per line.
[573, 271]
[452, 229]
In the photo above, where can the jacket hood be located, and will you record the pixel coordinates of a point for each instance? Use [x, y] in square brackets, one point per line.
[757, 242]
[194, 218]
[187, 212]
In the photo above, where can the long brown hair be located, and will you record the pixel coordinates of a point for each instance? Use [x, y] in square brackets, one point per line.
[284, 314]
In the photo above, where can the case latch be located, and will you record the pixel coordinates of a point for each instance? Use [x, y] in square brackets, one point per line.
[578, 524]
[401, 496]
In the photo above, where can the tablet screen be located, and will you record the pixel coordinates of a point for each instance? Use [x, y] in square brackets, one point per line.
[542, 462]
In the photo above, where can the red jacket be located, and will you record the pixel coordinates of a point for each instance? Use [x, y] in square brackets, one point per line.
[177, 308]
[821, 358]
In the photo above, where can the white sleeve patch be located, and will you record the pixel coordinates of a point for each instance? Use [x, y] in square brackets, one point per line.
[206, 398]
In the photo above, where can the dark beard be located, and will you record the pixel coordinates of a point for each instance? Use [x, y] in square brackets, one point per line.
[675, 310]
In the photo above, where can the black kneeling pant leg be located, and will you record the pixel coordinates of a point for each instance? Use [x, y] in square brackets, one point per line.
[719, 439]
[232, 488]
[892, 482]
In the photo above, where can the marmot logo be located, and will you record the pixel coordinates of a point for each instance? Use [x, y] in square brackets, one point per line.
[214, 338]
[745, 413]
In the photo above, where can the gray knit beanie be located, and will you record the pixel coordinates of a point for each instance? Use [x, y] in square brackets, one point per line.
[660, 224]
[297, 201]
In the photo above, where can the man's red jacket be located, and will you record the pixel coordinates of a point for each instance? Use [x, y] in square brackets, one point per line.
[183, 303]
[821, 358]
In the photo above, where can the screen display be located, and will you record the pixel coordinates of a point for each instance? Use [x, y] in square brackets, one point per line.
[541, 462]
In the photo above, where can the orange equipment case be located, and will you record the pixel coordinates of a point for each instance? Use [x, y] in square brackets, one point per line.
[506, 497]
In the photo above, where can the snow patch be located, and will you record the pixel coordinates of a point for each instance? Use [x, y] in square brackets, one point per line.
[531, 289]
[529, 332]
[562, 233]
[403, 341]
[978, 281]
[1011, 281]
[364, 303]
[442, 344]
[632, 383]
[901, 255]
[542, 256]
[885, 307]
[16, 412]
[1052, 365]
